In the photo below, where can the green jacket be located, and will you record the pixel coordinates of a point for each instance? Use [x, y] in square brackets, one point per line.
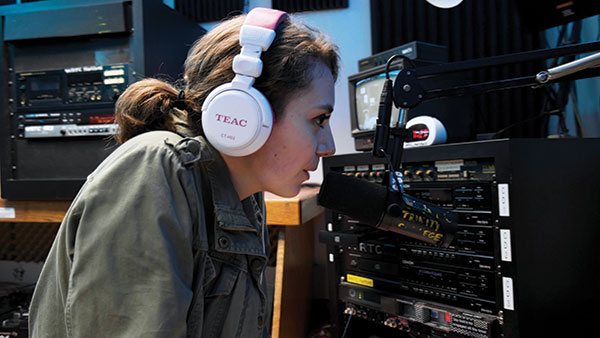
[156, 244]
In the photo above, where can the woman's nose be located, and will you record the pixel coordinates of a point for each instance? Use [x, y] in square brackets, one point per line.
[326, 144]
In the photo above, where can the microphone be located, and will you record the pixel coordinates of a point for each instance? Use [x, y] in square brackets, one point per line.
[384, 115]
[374, 205]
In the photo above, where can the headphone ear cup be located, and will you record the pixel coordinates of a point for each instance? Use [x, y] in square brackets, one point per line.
[237, 122]
[236, 117]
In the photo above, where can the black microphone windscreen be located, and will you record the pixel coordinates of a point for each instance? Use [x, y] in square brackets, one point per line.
[359, 199]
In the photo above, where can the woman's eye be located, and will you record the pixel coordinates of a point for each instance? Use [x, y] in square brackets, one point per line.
[322, 119]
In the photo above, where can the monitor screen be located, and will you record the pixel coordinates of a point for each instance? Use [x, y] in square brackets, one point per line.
[365, 87]
[367, 95]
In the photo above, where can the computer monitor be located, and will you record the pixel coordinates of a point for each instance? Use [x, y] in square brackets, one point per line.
[365, 92]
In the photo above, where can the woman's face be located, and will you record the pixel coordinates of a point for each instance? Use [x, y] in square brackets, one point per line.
[300, 136]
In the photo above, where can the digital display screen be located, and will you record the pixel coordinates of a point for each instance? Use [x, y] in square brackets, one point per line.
[84, 79]
[440, 196]
[367, 96]
[44, 83]
[96, 119]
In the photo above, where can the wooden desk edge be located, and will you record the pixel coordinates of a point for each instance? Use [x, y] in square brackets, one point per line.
[295, 210]
[280, 211]
[36, 211]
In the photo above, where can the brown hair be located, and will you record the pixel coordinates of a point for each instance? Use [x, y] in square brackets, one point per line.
[146, 104]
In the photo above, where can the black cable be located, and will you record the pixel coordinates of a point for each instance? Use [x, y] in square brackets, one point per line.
[392, 170]
[392, 58]
[578, 122]
[518, 123]
[551, 106]
[560, 42]
[385, 108]
[561, 128]
[544, 124]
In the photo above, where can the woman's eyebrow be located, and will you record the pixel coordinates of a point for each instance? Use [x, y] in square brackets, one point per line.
[326, 107]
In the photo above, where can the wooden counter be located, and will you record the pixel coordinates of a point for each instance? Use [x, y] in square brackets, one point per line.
[294, 219]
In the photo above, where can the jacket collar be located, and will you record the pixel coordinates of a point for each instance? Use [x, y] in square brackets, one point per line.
[229, 211]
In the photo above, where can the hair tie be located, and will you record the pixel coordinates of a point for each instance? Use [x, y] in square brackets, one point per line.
[180, 101]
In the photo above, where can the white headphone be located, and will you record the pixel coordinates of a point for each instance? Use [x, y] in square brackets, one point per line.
[237, 119]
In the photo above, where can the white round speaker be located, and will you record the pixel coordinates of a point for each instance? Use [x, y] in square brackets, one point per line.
[444, 3]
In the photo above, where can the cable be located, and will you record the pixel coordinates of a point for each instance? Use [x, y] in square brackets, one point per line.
[519, 122]
[550, 106]
[560, 41]
[392, 58]
[392, 170]
[384, 113]
[347, 324]
[579, 123]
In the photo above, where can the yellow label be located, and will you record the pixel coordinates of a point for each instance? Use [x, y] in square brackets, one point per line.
[359, 280]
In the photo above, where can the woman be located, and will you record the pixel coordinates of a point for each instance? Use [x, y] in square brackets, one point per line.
[167, 236]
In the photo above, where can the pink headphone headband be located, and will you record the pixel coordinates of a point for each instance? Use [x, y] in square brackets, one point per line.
[265, 17]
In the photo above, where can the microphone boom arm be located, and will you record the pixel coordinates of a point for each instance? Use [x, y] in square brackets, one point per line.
[568, 68]
[412, 95]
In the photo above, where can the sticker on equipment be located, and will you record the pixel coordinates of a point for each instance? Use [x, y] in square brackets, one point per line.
[507, 292]
[503, 203]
